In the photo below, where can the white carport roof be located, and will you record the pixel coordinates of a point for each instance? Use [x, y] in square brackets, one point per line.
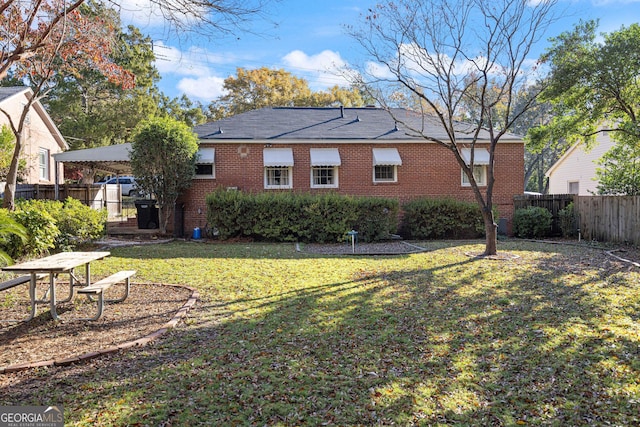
[112, 158]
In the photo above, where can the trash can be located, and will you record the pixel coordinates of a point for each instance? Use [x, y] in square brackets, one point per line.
[147, 213]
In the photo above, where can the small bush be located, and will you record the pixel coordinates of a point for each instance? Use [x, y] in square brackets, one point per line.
[532, 222]
[37, 217]
[568, 221]
[79, 223]
[442, 218]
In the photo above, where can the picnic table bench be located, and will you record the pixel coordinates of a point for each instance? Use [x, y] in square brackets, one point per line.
[53, 265]
[12, 283]
[98, 289]
[17, 281]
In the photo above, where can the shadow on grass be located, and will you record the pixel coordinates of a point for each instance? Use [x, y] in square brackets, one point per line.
[443, 339]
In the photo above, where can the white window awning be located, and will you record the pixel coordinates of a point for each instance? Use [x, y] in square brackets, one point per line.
[386, 157]
[480, 156]
[324, 157]
[277, 157]
[206, 155]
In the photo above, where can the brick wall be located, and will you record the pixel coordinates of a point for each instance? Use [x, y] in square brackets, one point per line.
[427, 170]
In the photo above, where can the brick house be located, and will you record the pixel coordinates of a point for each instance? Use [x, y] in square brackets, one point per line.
[354, 151]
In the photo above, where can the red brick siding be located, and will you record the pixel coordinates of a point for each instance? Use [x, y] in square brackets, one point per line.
[427, 170]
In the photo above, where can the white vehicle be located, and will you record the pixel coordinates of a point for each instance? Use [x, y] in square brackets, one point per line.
[127, 183]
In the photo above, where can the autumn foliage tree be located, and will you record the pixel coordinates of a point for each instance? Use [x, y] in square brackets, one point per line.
[79, 38]
[266, 87]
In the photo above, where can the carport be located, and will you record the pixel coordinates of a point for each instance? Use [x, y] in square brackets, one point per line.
[111, 158]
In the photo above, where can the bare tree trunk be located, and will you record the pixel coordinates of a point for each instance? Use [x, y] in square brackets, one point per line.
[491, 231]
[164, 213]
[12, 175]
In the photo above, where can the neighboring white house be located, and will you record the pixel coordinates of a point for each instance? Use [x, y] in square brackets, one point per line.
[575, 171]
[42, 138]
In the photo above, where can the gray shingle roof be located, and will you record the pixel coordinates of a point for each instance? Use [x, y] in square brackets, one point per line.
[307, 123]
[8, 92]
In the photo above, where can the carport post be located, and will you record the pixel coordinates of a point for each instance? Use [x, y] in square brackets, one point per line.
[56, 191]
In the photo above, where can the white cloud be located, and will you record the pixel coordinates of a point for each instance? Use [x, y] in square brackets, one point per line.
[196, 72]
[205, 88]
[378, 71]
[322, 70]
[141, 13]
[172, 60]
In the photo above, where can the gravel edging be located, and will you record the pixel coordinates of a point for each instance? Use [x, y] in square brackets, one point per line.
[140, 342]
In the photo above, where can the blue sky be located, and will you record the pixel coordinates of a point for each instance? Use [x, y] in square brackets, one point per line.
[306, 38]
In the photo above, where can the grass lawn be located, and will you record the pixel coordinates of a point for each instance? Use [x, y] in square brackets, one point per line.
[436, 338]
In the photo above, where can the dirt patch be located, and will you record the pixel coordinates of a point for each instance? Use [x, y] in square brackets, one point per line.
[147, 309]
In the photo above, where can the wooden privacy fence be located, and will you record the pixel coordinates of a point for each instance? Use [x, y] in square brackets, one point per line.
[609, 218]
[601, 218]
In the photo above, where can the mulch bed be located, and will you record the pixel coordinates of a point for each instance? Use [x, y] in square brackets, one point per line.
[148, 309]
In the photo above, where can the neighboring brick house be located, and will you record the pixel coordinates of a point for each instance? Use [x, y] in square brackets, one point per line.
[355, 151]
[41, 136]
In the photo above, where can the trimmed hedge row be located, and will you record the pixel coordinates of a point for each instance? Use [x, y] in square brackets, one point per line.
[290, 217]
[442, 219]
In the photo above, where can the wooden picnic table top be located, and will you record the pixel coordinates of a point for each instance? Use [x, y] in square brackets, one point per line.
[60, 262]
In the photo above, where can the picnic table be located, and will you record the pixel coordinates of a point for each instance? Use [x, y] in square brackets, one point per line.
[63, 262]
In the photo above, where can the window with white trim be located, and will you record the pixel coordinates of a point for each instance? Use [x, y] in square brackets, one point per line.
[574, 187]
[384, 173]
[385, 164]
[481, 160]
[324, 177]
[324, 167]
[277, 177]
[278, 168]
[43, 164]
[206, 165]
[479, 174]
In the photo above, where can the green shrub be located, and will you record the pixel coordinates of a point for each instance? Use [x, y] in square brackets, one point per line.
[442, 219]
[377, 218]
[54, 225]
[79, 223]
[288, 217]
[533, 221]
[9, 229]
[37, 217]
[568, 221]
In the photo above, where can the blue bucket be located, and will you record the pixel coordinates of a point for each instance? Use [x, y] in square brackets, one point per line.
[196, 233]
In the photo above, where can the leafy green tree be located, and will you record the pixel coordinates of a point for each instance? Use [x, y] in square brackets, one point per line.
[619, 171]
[163, 159]
[594, 87]
[183, 109]
[7, 147]
[93, 111]
[265, 87]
